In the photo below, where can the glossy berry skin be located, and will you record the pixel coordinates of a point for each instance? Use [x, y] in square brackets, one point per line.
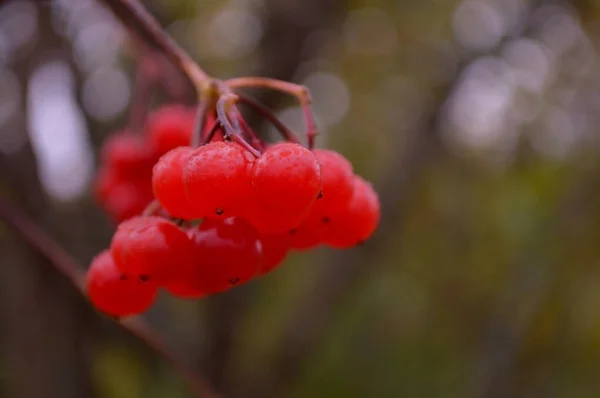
[337, 177]
[357, 222]
[152, 248]
[275, 248]
[167, 182]
[216, 179]
[286, 179]
[115, 293]
[127, 154]
[228, 254]
[170, 127]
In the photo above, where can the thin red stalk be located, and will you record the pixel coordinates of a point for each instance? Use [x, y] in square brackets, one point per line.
[211, 133]
[249, 133]
[67, 266]
[298, 91]
[232, 131]
[270, 116]
[199, 123]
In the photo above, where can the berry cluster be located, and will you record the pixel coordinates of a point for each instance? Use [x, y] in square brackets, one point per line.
[123, 183]
[221, 214]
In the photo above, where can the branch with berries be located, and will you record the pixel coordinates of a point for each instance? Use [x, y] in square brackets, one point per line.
[203, 204]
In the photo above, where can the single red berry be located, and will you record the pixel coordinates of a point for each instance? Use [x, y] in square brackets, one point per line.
[286, 179]
[338, 182]
[170, 127]
[275, 248]
[115, 293]
[128, 154]
[228, 253]
[152, 248]
[216, 179]
[357, 222]
[185, 290]
[167, 182]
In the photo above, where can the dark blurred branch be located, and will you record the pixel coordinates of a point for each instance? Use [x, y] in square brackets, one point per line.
[63, 262]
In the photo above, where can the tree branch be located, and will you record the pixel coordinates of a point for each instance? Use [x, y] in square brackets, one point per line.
[63, 262]
[134, 15]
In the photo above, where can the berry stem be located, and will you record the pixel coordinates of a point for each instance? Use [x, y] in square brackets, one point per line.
[211, 133]
[249, 132]
[300, 92]
[199, 123]
[262, 110]
[67, 266]
[225, 106]
[133, 14]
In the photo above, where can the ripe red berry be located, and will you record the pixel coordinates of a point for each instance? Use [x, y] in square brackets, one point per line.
[127, 154]
[167, 182]
[170, 127]
[216, 179]
[152, 248]
[275, 248]
[338, 182]
[357, 222]
[228, 254]
[286, 179]
[115, 293]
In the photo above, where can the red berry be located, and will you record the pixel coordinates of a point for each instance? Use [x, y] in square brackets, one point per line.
[127, 154]
[275, 248]
[228, 254]
[170, 127]
[185, 290]
[357, 222]
[116, 293]
[286, 179]
[167, 182]
[338, 182]
[216, 179]
[152, 248]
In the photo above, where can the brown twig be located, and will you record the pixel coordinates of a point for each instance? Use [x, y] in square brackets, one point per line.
[63, 262]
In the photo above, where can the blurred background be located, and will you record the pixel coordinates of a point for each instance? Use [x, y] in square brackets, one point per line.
[477, 120]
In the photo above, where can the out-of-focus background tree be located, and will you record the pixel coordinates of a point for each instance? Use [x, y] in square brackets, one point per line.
[477, 120]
